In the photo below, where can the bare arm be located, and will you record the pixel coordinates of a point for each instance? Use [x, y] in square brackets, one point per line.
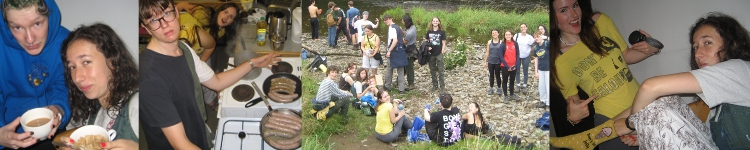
[443, 51]
[654, 87]
[207, 42]
[185, 6]
[395, 114]
[427, 114]
[176, 136]
[227, 78]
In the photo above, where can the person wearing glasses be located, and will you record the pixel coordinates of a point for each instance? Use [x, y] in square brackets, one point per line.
[172, 112]
[31, 70]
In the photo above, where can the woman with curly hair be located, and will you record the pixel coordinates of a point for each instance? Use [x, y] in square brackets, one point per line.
[104, 83]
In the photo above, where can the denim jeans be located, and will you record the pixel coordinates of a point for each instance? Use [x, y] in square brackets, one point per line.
[402, 124]
[525, 66]
[730, 130]
[332, 36]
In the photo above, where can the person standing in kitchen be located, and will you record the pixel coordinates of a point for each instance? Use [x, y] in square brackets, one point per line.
[314, 22]
[172, 112]
[350, 14]
[32, 70]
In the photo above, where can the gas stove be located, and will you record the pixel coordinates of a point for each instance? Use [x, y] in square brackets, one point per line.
[229, 107]
[239, 134]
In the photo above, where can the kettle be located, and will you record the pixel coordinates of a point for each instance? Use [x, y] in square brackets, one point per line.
[278, 30]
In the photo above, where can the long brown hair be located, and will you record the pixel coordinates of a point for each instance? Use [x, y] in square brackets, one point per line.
[481, 117]
[379, 95]
[589, 35]
[124, 71]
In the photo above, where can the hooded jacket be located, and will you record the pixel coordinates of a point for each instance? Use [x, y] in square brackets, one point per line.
[27, 81]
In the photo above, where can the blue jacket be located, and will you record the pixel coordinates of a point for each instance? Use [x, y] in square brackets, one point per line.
[18, 70]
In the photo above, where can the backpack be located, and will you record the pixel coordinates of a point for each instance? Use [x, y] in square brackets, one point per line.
[329, 18]
[423, 56]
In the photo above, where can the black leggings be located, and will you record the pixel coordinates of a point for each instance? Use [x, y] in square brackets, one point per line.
[512, 75]
[494, 74]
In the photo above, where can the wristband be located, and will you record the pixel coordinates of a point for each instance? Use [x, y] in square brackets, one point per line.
[571, 121]
[627, 123]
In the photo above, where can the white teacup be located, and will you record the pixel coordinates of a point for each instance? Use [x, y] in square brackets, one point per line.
[93, 130]
[38, 116]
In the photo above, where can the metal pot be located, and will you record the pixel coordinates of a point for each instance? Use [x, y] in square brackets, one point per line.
[278, 30]
[244, 55]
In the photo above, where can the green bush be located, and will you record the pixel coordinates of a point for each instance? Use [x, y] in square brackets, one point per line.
[457, 57]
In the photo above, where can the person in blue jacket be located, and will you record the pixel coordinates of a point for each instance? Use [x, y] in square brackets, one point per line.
[31, 69]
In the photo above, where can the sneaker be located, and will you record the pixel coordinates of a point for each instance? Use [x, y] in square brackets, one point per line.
[490, 92]
[499, 91]
[505, 99]
[540, 105]
[514, 97]
[401, 92]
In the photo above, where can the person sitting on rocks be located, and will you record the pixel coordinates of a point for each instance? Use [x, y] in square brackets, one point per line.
[443, 127]
[362, 85]
[390, 120]
[330, 99]
[346, 81]
[473, 124]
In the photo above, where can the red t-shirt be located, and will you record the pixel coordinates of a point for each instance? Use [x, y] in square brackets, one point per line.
[510, 54]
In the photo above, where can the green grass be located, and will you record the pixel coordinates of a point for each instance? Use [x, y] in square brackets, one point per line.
[317, 134]
[476, 22]
[473, 144]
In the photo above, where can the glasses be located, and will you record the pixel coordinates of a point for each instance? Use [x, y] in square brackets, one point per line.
[155, 24]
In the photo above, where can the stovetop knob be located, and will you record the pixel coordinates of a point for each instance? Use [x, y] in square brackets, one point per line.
[242, 134]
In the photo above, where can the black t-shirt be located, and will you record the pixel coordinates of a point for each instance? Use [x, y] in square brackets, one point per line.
[341, 14]
[168, 98]
[449, 126]
[436, 41]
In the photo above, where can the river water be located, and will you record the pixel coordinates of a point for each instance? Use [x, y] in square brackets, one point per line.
[377, 7]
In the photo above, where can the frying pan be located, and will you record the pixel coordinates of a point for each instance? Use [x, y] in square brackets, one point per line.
[297, 90]
[265, 119]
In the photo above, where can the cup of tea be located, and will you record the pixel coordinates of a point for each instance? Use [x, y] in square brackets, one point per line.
[93, 130]
[38, 120]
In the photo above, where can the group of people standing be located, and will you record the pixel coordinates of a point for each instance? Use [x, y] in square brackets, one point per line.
[504, 57]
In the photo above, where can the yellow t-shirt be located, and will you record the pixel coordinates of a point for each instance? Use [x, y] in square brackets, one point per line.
[200, 18]
[369, 41]
[383, 123]
[608, 77]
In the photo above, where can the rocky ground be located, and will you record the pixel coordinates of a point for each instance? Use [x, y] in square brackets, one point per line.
[466, 84]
